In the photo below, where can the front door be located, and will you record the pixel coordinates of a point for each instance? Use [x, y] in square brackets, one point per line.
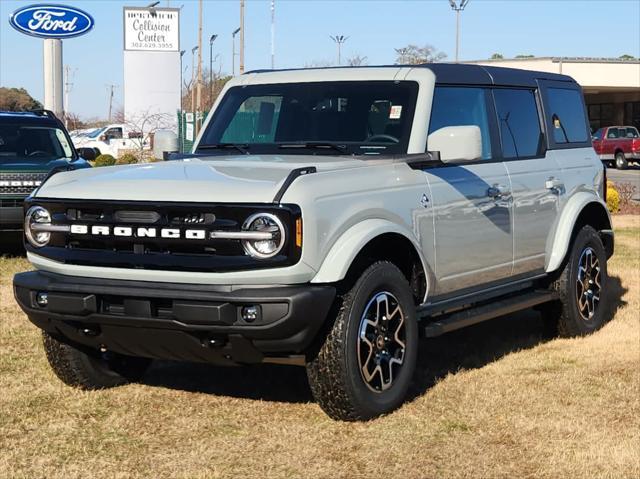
[472, 204]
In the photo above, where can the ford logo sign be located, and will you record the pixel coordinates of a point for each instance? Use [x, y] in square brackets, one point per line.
[51, 21]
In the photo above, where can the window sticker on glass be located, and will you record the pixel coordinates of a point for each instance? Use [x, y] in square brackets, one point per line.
[395, 112]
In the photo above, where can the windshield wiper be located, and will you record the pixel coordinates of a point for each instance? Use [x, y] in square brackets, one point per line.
[315, 144]
[241, 147]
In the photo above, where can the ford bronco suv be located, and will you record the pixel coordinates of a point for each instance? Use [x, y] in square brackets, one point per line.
[32, 146]
[328, 218]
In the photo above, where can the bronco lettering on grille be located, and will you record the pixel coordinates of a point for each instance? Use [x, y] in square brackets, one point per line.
[139, 232]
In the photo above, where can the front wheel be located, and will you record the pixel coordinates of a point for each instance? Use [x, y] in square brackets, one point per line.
[87, 369]
[367, 360]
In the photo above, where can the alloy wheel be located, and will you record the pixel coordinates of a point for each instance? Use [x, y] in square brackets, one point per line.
[588, 286]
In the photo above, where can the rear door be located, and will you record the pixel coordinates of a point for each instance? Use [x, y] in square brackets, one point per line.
[535, 176]
[471, 203]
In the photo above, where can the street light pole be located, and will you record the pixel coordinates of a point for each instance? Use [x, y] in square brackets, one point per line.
[193, 78]
[233, 54]
[339, 40]
[182, 52]
[273, 34]
[458, 8]
[211, 40]
[241, 37]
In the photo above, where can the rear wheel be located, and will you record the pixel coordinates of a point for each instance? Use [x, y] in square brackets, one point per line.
[87, 369]
[621, 161]
[367, 361]
[582, 287]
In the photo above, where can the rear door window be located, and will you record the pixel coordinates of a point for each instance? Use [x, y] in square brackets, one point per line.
[613, 133]
[519, 123]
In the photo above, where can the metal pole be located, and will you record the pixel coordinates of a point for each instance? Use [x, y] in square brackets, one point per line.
[273, 34]
[457, 34]
[67, 89]
[241, 37]
[233, 54]
[53, 83]
[193, 79]
[182, 125]
[199, 85]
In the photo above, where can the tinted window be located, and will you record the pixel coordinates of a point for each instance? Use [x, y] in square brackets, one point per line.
[459, 106]
[519, 122]
[632, 133]
[32, 144]
[597, 135]
[566, 115]
[354, 117]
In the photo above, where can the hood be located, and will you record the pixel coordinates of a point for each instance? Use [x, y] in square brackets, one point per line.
[229, 179]
[32, 166]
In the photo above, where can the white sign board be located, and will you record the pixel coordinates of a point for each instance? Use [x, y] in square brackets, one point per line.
[156, 30]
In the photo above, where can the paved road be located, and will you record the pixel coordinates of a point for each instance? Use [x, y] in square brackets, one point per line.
[631, 175]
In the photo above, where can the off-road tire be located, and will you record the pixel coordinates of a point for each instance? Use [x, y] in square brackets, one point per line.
[620, 161]
[563, 317]
[89, 370]
[334, 373]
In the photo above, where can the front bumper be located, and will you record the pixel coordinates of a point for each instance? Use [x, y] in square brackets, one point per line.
[176, 321]
[11, 217]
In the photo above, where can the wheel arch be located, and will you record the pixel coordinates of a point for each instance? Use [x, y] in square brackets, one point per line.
[373, 240]
[582, 210]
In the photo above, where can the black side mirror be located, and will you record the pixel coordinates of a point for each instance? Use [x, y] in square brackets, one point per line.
[88, 154]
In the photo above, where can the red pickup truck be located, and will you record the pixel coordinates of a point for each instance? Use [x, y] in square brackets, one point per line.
[617, 144]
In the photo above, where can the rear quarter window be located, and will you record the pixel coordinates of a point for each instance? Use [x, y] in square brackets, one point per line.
[566, 116]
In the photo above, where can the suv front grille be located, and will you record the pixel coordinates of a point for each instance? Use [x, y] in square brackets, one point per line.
[20, 183]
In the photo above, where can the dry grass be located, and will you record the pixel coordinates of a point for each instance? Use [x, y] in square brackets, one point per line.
[496, 400]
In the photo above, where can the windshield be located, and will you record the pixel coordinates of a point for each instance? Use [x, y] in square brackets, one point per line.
[94, 133]
[355, 118]
[34, 144]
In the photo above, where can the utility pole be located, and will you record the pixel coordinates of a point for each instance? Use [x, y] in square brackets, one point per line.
[241, 37]
[339, 39]
[182, 122]
[193, 78]
[211, 40]
[111, 87]
[233, 54]
[458, 8]
[199, 86]
[273, 34]
[67, 90]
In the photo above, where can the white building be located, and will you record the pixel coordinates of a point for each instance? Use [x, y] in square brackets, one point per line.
[611, 86]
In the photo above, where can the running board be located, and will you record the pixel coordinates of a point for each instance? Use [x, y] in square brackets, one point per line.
[477, 314]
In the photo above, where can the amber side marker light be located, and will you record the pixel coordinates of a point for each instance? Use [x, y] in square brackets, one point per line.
[299, 232]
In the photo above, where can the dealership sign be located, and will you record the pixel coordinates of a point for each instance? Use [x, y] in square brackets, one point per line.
[154, 29]
[51, 21]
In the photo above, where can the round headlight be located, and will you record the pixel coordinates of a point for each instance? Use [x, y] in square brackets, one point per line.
[37, 215]
[274, 239]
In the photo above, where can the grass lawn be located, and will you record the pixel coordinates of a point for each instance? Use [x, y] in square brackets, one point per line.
[494, 400]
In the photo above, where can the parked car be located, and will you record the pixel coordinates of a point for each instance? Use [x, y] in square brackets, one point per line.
[328, 218]
[111, 139]
[33, 146]
[617, 145]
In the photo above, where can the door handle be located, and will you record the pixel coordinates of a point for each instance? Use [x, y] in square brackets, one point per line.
[554, 185]
[498, 192]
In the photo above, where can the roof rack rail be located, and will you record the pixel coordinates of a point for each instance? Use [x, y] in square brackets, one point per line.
[43, 112]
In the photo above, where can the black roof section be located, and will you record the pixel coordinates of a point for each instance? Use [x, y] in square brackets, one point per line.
[467, 74]
[36, 117]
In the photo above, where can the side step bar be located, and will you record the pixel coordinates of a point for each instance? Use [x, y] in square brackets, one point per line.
[477, 314]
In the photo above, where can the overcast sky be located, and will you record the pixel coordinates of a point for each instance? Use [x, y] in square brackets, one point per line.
[579, 28]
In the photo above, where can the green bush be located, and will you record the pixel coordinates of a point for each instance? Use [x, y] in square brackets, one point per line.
[104, 160]
[127, 159]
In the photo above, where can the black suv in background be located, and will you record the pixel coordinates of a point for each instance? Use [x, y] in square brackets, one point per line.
[33, 145]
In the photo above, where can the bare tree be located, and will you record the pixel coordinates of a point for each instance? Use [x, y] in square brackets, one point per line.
[142, 126]
[414, 55]
[357, 61]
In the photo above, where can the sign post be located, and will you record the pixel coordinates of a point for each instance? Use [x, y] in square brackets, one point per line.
[53, 23]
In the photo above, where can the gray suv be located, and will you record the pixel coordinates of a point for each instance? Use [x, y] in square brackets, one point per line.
[328, 218]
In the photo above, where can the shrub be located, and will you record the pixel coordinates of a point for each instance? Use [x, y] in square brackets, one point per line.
[104, 160]
[127, 159]
[613, 197]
